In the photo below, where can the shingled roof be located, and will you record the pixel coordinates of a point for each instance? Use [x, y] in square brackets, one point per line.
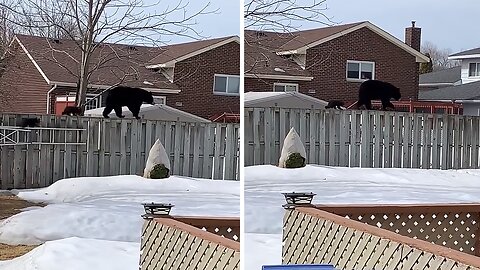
[468, 91]
[58, 60]
[472, 52]
[444, 76]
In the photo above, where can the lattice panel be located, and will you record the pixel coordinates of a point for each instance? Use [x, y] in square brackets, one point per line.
[164, 247]
[232, 233]
[454, 230]
[312, 240]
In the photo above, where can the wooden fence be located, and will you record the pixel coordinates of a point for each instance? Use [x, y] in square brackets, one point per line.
[313, 236]
[65, 147]
[168, 243]
[365, 138]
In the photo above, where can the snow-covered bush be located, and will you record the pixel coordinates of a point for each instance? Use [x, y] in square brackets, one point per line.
[158, 163]
[293, 152]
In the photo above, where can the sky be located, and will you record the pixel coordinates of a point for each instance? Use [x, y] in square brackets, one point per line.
[446, 23]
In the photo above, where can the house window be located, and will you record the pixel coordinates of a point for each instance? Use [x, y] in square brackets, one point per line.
[159, 100]
[285, 87]
[474, 70]
[360, 70]
[226, 85]
[93, 102]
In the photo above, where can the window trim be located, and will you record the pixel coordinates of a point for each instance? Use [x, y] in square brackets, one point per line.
[360, 70]
[286, 84]
[164, 98]
[477, 70]
[225, 93]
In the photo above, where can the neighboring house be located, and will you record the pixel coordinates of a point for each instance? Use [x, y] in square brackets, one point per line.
[294, 100]
[200, 77]
[441, 78]
[330, 63]
[470, 63]
[465, 88]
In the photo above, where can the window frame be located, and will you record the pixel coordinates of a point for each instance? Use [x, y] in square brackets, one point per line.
[477, 70]
[226, 93]
[98, 101]
[285, 86]
[164, 98]
[359, 70]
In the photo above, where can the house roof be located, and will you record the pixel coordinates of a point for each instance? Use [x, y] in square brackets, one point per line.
[468, 91]
[116, 61]
[253, 98]
[52, 57]
[261, 59]
[265, 51]
[472, 53]
[170, 54]
[444, 76]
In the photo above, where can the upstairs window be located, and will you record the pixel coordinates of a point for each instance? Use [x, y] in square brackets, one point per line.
[360, 70]
[226, 85]
[160, 100]
[285, 87]
[474, 70]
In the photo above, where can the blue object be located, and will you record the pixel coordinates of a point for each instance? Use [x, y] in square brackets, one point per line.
[299, 267]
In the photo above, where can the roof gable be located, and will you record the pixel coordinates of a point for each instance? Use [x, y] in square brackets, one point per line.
[172, 54]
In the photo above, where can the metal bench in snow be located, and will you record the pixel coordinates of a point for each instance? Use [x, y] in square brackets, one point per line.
[299, 267]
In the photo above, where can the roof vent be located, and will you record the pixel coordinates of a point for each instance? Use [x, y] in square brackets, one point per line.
[279, 70]
[132, 48]
[261, 34]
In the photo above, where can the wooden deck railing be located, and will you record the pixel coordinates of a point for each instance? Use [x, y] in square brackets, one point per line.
[173, 243]
[454, 226]
[313, 236]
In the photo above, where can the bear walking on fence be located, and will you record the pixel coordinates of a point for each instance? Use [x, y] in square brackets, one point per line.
[377, 90]
[126, 96]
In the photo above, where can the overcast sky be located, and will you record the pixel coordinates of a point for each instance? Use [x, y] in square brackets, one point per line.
[446, 23]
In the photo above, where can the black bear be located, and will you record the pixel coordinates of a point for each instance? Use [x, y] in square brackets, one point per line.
[336, 104]
[72, 110]
[374, 90]
[131, 97]
[30, 122]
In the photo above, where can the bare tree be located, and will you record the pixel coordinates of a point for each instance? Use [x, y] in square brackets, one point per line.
[283, 15]
[438, 57]
[93, 23]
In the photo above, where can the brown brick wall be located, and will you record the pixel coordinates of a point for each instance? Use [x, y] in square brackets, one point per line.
[195, 76]
[22, 88]
[392, 64]
[266, 85]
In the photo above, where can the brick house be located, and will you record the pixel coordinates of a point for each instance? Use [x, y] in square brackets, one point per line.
[330, 63]
[200, 77]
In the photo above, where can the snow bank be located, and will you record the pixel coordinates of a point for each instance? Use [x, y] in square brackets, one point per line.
[109, 208]
[78, 254]
[339, 185]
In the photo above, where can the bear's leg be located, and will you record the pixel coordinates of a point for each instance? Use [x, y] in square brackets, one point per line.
[135, 109]
[118, 111]
[386, 103]
[107, 111]
[368, 104]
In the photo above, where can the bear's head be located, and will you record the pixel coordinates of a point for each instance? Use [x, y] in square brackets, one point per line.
[148, 97]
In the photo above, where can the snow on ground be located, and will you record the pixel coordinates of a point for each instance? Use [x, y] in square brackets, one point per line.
[82, 212]
[78, 254]
[338, 185]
